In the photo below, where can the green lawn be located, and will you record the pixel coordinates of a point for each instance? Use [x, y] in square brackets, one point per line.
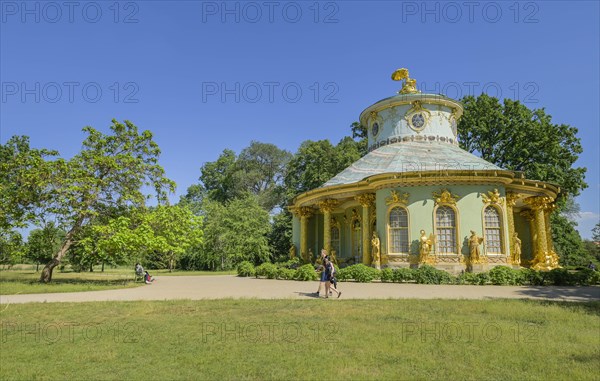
[290, 339]
[26, 281]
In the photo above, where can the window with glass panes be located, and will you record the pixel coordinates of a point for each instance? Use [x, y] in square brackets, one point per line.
[398, 232]
[335, 239]
[445, 223]
[493, 242]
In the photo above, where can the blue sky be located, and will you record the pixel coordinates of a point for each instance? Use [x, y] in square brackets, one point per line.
[205, 76]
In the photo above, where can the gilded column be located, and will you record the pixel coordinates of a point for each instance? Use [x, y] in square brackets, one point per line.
[546, 258]
[305, 213]
[511, 201]
[326, 207]
[366, 200]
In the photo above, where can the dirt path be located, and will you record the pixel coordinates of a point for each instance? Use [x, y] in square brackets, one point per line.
[229, 286]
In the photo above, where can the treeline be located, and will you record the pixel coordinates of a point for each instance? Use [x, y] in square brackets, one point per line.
[91, 209]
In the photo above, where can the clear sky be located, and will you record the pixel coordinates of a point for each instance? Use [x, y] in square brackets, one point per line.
[205, 76]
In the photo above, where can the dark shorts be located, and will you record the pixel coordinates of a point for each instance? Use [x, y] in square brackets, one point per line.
[324, 277]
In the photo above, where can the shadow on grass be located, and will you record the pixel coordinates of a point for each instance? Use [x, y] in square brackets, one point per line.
[590, 307]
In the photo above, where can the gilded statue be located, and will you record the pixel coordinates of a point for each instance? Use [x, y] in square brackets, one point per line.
[293, 252]
[375, 249]
[333, 257]
[310, 256]
[425, 244]
[516, 255]
[474, 251]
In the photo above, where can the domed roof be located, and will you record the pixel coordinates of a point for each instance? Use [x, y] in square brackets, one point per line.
[411, 132]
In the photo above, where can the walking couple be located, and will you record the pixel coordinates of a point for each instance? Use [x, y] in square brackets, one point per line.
[327, 276]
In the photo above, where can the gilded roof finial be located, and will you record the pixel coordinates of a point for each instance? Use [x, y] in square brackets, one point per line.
[410, 86]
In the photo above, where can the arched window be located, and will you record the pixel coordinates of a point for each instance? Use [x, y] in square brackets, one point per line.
[335, 239]
[398, 230]
[445, 223]
[493, 241]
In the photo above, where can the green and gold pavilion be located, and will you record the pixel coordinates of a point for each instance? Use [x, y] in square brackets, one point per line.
[417, 198]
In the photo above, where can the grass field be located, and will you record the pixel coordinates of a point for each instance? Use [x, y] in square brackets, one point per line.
[26, 281]
[288, 339]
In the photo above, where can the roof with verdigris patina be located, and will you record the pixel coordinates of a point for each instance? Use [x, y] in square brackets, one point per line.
[410, 157]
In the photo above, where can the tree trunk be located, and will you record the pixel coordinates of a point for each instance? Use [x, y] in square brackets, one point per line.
[92, 267]
[37, 267]
[47, 271]
[102, 266]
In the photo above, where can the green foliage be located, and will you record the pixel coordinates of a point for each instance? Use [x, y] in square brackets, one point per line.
[404, 274]
[289, 264]
[567, 242]
[235, 232]
[430, 275]
[267, 270]
[43, 243]
[258, 171]
[12, 249]
[317, 162]
[305, 273]
[533, 278]
[516, 138]
[387, 275]
[245, 269]
[280, 236]
[284, 273]
[359, 272]
[467, 278]
[502, 275]
[483, 278]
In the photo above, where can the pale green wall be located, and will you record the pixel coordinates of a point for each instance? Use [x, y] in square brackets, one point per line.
[421, 207]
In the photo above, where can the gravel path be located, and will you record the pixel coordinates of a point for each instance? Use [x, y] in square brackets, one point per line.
[229, 286]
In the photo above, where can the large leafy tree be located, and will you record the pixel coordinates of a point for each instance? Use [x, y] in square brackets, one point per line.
[317, 162]
[258, 170]
[110, 171]
[12, 248]
[234, 232]
[514, 137]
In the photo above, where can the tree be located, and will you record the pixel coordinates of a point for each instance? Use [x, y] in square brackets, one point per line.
[259, 170]
[11, 247]
[519, 139]
[24, 180]
[43, 243]
[280, 236]
[176, 229]
[516, 138]
[235, 232]
[110, 171]
[317, 162]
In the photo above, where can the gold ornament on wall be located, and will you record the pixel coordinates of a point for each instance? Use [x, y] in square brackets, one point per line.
[492, 197]
[418, 116]
[445, 197]
[397, 198]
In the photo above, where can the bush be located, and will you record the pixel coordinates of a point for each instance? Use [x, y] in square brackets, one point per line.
[586, 277]
[503, 275]
[483, 278]
[245, 268]
[268, 270]
[430, 275]
[287, 274]
[562, 277]
[532, 277]
[387, 275]
[360, 273]
[291, 264]
[305, 273]
[404, 274]
[467, 278]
